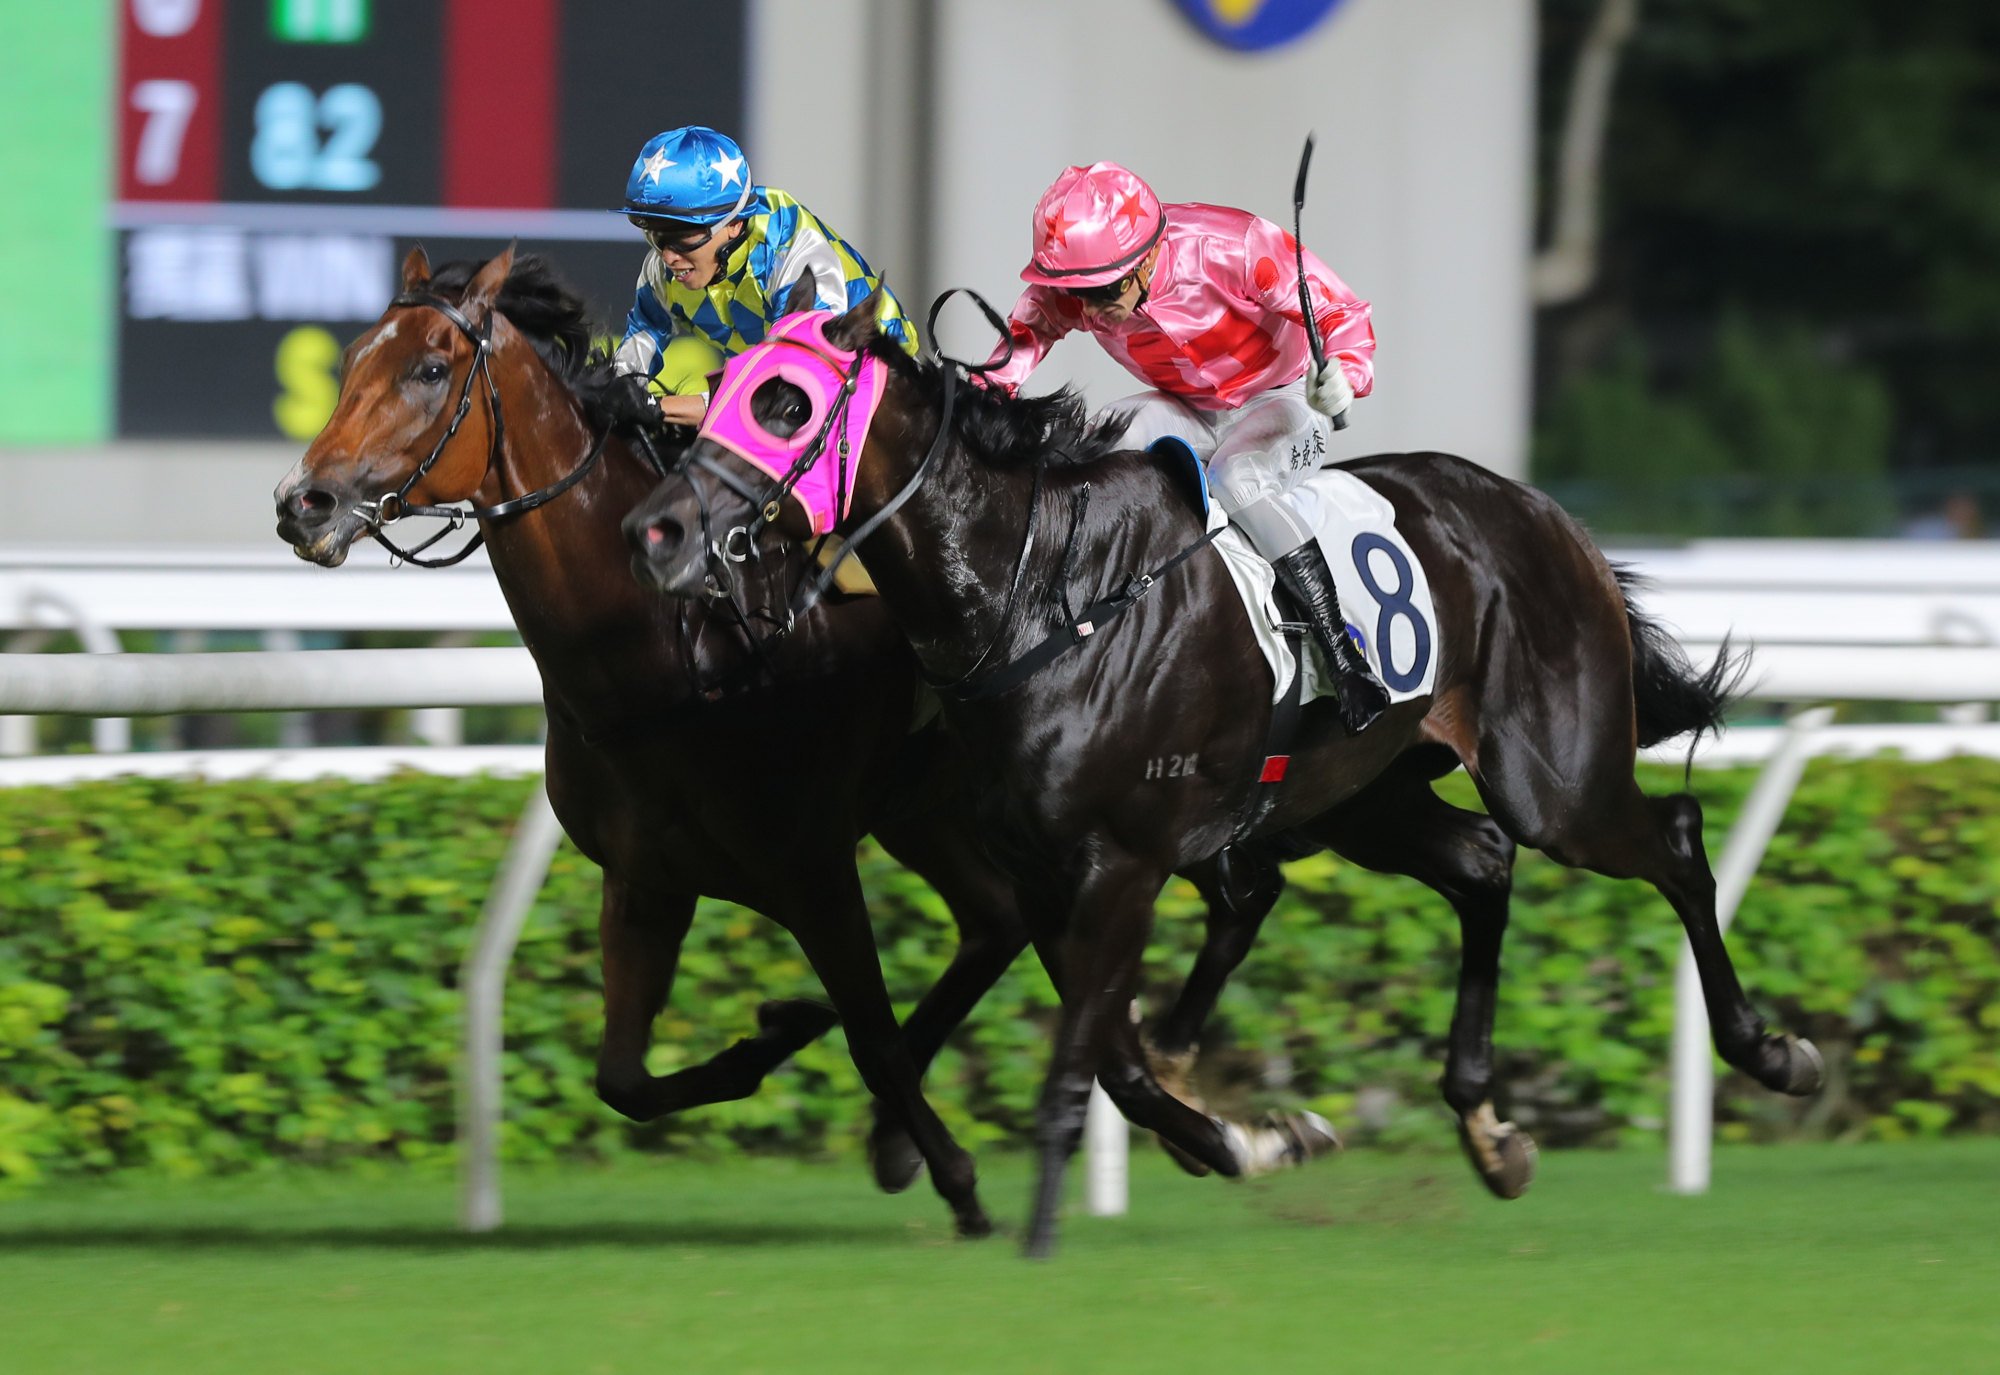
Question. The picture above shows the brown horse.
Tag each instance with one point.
(1548, 682)
(680, 759)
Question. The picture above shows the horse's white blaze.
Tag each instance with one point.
(382, 337)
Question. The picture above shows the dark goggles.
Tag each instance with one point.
(674, 240)
(1105, 294)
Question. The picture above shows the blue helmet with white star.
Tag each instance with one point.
(692, 174)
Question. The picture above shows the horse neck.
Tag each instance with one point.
(945, 561)
(562, 566)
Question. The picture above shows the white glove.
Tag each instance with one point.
(1327, 388)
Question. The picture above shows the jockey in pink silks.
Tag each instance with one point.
(1201, 302)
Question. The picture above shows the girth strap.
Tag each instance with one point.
(1278, 739)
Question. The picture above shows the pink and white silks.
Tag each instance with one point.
(796, 351)
(1222, 342)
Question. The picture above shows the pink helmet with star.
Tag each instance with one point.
(1093, 226)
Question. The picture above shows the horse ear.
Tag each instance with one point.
(416, 269)
(485, 286)
(804, 295)
(853, 330)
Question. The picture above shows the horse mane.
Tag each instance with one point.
(1009, 431)
(555, 320)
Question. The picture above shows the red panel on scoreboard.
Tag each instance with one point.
(500, 103)
(169, 98)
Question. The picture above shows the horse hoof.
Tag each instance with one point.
(893, 1159)
(1280, 1141)
(1312, 1136)
(1181, 1158)
(1502, 1154)
(1787, 1064)
(1805, 1068)
(795, 1020)
(974, 1225)
(1513, 1155)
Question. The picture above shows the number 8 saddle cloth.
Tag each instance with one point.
(1383, 589)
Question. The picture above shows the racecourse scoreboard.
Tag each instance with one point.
(277, 158)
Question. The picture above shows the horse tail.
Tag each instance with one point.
(1670, 695)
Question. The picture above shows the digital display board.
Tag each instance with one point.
(277, 158)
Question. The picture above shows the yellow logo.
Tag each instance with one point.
(1236, 13)
(305, 362)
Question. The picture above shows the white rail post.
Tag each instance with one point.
(108, 734)
(1691, 1113)
(441, 725)
(1108, 1143)
(484, 980)
(294, 727)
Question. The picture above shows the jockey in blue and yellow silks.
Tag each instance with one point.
(727, 254)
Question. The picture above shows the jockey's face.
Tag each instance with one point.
(693, 254)
(1114, 302)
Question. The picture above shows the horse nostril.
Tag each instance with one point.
(651, 536)
(310, 505)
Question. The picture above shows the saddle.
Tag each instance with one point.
(1383, 587)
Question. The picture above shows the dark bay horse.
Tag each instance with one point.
(1549, 681)
(758, 797)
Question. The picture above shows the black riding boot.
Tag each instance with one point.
(1304, 575)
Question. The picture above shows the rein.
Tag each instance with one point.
(770, 499)
(1077, 626)
(968, 686)
(394, 506)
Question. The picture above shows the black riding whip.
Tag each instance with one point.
(1305, 293)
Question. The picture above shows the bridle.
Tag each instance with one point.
(391, 507)
(979, 681)
(740, 543)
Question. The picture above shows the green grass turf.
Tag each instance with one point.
(1807, 1258)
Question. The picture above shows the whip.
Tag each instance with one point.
(1305, 293)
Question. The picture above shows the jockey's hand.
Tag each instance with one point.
(684, 410)
(1327, 389)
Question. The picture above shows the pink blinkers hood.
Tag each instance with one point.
(796, 350)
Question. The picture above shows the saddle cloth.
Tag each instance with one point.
(1383, 590)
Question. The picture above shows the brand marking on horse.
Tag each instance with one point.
(1170, 766)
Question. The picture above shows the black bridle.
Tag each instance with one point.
(394, 506)
(1077, 625)
(739, 544)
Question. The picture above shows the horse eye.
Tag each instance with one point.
(433, 372)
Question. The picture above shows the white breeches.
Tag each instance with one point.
(1256, 454)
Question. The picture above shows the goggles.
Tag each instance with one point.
(1106, 293)
(675, 241)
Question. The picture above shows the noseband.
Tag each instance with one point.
(394, 506)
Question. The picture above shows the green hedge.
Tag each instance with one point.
(201, 977)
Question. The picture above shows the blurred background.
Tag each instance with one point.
(1702, 268)
(1723, 276)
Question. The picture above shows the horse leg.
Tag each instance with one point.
(1611, 827)
(1240, 891)
(991, 934)
(1097, 972)
(1782, 1062)
(1399, 826)
(828, 917)
(640, 934)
